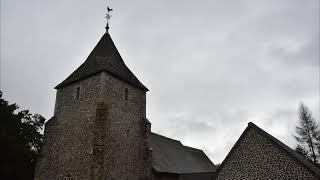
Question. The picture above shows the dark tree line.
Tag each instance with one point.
(20, 141)
(308, 135)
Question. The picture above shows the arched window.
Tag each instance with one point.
(68, 176)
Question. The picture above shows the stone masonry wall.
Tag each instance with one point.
(256, 157)
(68, 138)
(100, 135)
(48, 152)
(126, 149)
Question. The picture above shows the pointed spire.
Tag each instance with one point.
(104, 57)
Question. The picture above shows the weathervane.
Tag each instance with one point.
(108, 17)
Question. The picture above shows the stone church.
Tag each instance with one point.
(99, 131)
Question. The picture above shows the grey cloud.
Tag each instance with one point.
(211, 66)
(297, 53)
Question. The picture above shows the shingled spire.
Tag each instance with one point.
(104, 57)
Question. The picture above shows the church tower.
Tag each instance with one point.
(99, 129)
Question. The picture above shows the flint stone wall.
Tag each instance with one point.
(256, 157)
(99, 135)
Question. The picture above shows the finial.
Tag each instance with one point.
(108, 17)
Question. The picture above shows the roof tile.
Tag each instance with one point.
(104, 57)
(171, 156)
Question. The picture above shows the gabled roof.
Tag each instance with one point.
(104, 57)
(278, 143)
(171, 156)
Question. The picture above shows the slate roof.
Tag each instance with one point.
(281, 145)
(171, 156)
(104, 57)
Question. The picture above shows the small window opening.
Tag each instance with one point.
(128, 131)
(126, 94)
(77, 92)
(68, 176)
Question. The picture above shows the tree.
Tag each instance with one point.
(20, 140)
(308, 133)
(301, 150)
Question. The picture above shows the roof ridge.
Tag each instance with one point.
(165, 137)
(193, 148)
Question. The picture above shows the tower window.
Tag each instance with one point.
(126, 94)
(128, 132)
(77, 93)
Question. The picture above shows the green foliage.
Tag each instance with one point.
(308, 135)
(20, 140)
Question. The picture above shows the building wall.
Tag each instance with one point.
(69, 135)
(191, 176)
(256, 157)
(197, 176)
(126, 147)
(100, 135)
(166, 176)
(47, 159)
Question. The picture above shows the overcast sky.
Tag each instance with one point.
(211, 66)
